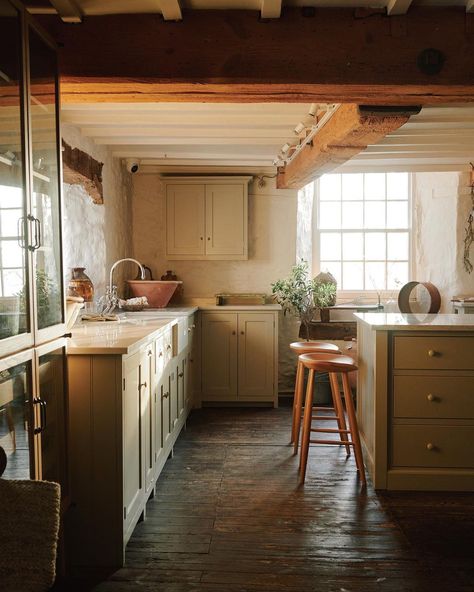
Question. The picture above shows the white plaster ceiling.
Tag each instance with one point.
(167, 135)
(73, 10)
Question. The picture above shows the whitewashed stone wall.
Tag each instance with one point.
(441, 206)
(94, 236)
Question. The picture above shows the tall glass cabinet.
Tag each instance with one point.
(33, 401)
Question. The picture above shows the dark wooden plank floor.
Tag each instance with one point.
(229, 516)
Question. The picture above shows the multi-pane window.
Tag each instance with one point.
(363, 225)
(11, 257)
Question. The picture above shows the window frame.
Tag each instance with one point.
(369, 294)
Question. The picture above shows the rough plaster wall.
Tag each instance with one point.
(272, 250)
(94, 236)
(304, 228)
(441, 205)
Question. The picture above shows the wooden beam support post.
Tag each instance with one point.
(271, 9)
(395, 7)
(349, 131)
(171, 10)
(81, 169)
(67, 10)
(219, 55)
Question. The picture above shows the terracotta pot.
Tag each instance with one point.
(80, 285)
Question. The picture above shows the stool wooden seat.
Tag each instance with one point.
(333, 364)
(305, 347)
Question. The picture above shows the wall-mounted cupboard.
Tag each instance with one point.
(207, 217)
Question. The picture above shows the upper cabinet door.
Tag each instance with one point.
(15, 330)
(45, 183)
(226, 220)
(185, 219)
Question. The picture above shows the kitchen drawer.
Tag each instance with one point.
(433, 353)
(433, 446)
(435, 397)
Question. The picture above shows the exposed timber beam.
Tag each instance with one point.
(349, 131)
(271, 9)
(395, 7)
(171, 10)
(470, 6)
(67, 10)
(210, 57)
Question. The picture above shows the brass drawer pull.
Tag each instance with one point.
(165, 395)
(430, 446)
(430, 398)
(432, 353)
(142, 384)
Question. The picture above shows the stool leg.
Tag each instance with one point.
(308, 411)
(339, 408)
(298, 408)
(297, 400)
(353, 426)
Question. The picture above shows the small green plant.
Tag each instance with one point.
(48, 300)
(302, 296)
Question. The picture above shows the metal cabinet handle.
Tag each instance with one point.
(160, 354)
(168, 346)
(165, 395)
(150, 353)
(208, 238)
(242, 333)
(180, 374)
(201, 238)
(432, 353)
(430, 397)
(43, 417)
(430, 446)
(142, 384)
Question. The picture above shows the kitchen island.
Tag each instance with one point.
(415, 400)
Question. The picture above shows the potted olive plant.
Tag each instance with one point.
(302, 296)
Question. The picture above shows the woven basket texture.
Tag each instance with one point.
(29, 519)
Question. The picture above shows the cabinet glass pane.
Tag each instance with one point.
(15, 420)
(13, 274)
(53, 435)
(45, 182)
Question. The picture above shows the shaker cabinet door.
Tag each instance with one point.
(226, 220)
(256, 358)
(219, 356)
(185, 219)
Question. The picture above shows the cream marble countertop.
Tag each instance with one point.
(417, 322)
(241, 307)
(115, 337)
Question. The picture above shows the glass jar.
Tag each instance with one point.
(80, 284)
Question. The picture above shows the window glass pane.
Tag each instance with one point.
(334, 269)
(397, 275)
(353, 276)
(330, 246)
(10, 220)
(397, 185)
(353, 215)
(13, 282)
(375, 276)
(353, 246)
(330, 187)
(374, 214)
(12, 256)
(329, 215)
(397, 246)
(352, 187)
(375, 246)
(11, 197)
(374, 186)
(397, 214)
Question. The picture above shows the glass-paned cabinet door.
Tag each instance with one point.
(14, 318)
(46, 209)
(51, 399)
(16, 415)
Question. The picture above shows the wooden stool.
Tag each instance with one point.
(332, 364)
(305, 347)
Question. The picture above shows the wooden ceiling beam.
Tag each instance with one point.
(470, 6)
(67, 10)
(218, 56)
(396, 7)
(271, 9)
(349, 131)
(171, 10)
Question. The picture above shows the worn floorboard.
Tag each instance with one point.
(229, 517)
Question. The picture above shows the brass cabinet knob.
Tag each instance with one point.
(180, 374)
(201, 238)
(165, 395)
(142, 384)
(208, 238)
(430, 397)
(168, 346)
(189, 329)
(432, 353)
(150, 353)
(233, 332)
(242, 333)
(160, 354)
(430, 446)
